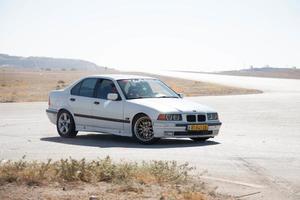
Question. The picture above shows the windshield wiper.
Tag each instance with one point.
(141, 97)
(145, 97)
(167, 97)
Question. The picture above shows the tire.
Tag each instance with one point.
(142, 130)
(65, 124)
(200, 139)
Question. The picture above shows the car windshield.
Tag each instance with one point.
(145, 88)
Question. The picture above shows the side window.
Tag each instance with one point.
(76, 88)
(87, 87)
(104, 87)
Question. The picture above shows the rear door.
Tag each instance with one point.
(81, 99)
(108, 114)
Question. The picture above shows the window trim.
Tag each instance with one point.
(98, 84)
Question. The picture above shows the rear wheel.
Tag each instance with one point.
(143, 130)
(200, 139)
(65, 124)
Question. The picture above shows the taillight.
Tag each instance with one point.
(49, 101)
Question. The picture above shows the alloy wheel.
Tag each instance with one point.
(64, 123)
(143, 129)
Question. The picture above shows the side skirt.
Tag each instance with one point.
(101, 130)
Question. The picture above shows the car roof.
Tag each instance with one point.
(119, 76)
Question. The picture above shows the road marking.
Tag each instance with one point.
(233, 182)
(247, 195)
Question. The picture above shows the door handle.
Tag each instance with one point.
(96, 102)
(72, 99)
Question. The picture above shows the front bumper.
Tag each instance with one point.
(179, 130)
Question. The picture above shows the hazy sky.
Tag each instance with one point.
(135, 34)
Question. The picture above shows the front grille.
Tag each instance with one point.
(191, 118)
(192, 133)
(201, 118)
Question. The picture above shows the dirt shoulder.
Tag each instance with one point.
(28, 85)
(286, 73)
(103, 190)
(192, 88)
(267, 72)
(101, 179)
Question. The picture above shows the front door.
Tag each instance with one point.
(108, 114)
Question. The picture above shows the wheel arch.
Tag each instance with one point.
(135, 117)
(65, 109)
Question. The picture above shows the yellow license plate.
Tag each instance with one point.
(197, 127)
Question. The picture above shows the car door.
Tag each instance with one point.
(108, 113)
(81, 99)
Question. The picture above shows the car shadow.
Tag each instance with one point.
(107, 141)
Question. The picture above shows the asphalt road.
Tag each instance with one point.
(257, 150)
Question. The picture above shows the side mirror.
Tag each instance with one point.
(112, 96)
(181, 95)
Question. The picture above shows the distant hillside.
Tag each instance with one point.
(271, 72)
(46, 63)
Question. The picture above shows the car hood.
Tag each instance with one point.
(169, 105)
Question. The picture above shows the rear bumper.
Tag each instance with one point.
(52, 115)
(166, 129)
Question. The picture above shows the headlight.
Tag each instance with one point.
(170, 117)
(212, 116)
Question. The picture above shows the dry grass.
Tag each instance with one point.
(26, 85)
(68, 170)
(79, 179)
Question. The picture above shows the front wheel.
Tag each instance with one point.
(143, 130)
(200, 139)
(65, 124)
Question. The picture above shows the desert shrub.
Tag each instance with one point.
(61, 82)
(68, 170)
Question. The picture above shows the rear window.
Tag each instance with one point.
(75, 90)
(87, 87)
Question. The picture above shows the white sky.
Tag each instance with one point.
(164, 34)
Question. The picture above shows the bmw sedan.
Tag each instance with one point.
(141, 107)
